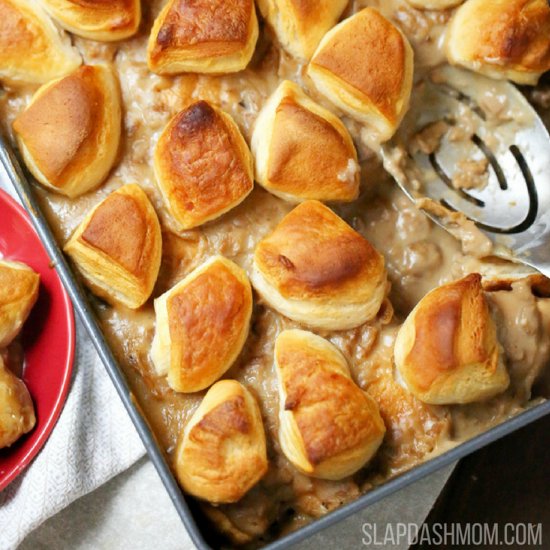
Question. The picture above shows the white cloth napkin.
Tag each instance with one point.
(94, 440)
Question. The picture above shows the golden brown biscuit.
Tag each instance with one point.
(506, 39)
(203, 36)
(222, 453)
(19, 286)
(434, 4)
(32, 50)
(203, 166)
(16, 408)
(202, 325)
(300, 24)
(447, 349)
(70, 132)
(302, 151)
(118, 247)
(364, 66)
(104, 20)
(328, 427)
(315, 269)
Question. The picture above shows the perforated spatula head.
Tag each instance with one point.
(475, 146)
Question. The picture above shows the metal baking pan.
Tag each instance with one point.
(186, 507)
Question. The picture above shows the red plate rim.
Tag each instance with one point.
(17, 457)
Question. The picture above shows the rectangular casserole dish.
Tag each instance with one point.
(186, 508)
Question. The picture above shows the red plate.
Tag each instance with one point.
(48, 338)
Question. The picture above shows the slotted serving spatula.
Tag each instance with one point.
(487, 123)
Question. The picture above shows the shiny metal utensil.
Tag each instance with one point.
(460, 122)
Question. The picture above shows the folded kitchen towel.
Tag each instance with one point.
(94, 440)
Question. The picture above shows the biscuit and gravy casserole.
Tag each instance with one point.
(295, 330)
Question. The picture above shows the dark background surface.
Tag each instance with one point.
(506, 482)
